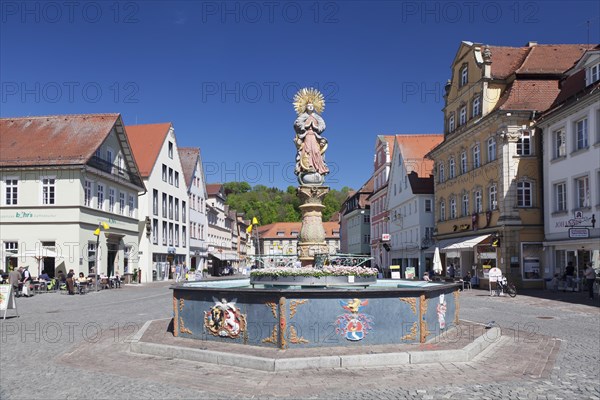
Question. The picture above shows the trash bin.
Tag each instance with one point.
(127, 278)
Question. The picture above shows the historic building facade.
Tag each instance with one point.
(191, 162)
(488, 187)
(279, 241)
(355, 221)
(571, 132)
(62, 176)
(410, 203)
(384, 146)
(164, 212)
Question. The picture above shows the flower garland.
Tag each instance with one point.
(314, 272)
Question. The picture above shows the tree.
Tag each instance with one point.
(274, 205)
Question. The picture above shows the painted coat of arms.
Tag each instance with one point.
(356, 325)
(224, 319)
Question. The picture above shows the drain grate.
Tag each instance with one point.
(545, 317)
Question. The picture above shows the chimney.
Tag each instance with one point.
(531, 44)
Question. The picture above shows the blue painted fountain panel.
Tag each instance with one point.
(296, 318)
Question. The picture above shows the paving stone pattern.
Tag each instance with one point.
(76, 347)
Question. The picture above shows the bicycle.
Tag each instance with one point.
(505, 287)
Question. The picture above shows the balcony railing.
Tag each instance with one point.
(110, 168)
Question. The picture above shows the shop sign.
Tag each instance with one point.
(487, 255)
(579, 233)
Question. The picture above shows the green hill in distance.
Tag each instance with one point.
(270, 205)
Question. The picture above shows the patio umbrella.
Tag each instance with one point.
(437, 261)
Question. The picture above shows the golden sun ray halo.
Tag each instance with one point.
(309, 95)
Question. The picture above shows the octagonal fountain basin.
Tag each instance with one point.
(386, 312)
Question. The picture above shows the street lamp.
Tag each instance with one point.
(101, 225)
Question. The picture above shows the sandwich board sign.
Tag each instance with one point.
(7, 300)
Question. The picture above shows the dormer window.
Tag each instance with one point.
(464, 76)
(594, 74)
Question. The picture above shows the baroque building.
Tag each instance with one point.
(488, 186)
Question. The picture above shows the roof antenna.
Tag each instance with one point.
(588, 33)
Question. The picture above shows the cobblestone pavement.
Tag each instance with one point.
(76, 347)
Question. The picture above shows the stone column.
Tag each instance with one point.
(311, 240)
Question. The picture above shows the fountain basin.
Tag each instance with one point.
(387, 312)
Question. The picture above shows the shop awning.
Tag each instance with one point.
(462, 243)
(224, 256)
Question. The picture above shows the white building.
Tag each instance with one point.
(571, 133)
(163, 213)
(279, 241)
(62, 176)
(355, 221)
(410, 203)
(220, 225)
(193, 172)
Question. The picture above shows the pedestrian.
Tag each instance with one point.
(569, 274)
(177, 272)
(26, 281)
(590, 277)
(14, 277)
(71, 282)
(451, 271)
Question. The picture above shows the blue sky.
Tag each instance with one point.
(224, 73)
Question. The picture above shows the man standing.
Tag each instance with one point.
(569, 274)
(590, 277)
(14, 277)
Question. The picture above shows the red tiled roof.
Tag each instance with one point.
(505, 60)
(414, 147)
(368, 186)
(213, 189)
(53, 139)
(551, 58)
(270, 231)
(531, 95)
(189, 157)
(146, 141)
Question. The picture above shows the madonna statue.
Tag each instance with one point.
(310, 144)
